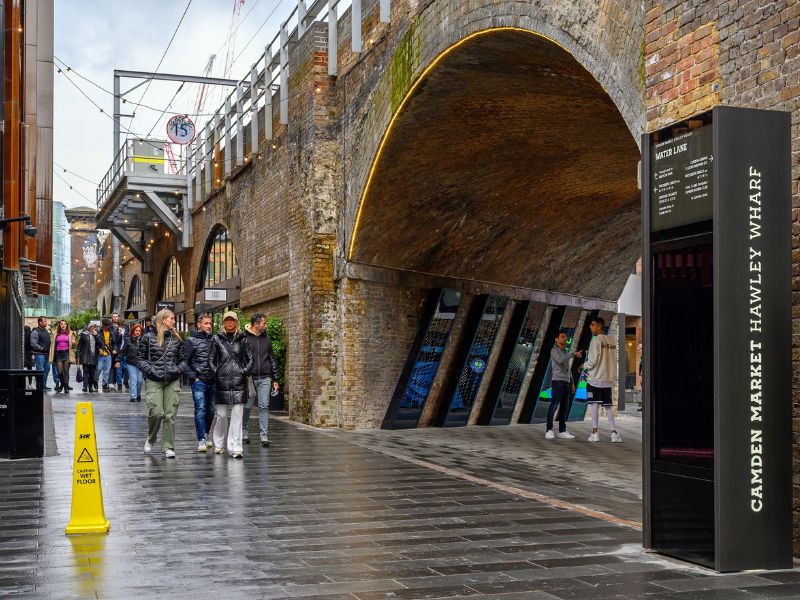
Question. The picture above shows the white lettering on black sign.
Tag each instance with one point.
(756, 373)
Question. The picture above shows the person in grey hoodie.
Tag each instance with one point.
(601, 366)
(561, 378)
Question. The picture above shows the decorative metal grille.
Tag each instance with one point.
(518, 365)
(428, 358)
(472, 373)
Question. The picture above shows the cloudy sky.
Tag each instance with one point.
(94, 38)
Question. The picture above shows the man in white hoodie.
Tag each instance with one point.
(601, 366)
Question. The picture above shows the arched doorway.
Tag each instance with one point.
(136, 302)
(507, 162)
(219, 282)
(171, 293)
(508, 172)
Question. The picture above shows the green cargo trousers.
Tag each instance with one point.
(162, 405)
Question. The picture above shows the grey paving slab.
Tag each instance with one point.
(340, 516)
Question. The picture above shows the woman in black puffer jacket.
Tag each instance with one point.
(161, 363)
(233, 360)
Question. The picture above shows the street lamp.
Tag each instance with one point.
(29, 230)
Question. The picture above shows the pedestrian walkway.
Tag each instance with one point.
(340, 515)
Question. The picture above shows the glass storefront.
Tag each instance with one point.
(426, 364)
(474, 368)
(518, 365)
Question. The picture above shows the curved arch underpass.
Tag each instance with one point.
(507, 163)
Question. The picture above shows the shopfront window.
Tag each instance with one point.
(220, 260)
(135, 295)
(172, 282)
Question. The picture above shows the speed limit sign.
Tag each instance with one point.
(180, 129)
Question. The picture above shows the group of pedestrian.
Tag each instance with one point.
(229, 372)
(49, 349)
(102, 354)
(600, 367)
(220, 368)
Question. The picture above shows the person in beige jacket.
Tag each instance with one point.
(601, 366)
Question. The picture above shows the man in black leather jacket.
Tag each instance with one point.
(197, 351)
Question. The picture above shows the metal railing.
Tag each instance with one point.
(219, 146)
(149, 154)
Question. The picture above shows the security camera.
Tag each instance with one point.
(30, 230)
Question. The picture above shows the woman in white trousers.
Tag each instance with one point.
(233, 360)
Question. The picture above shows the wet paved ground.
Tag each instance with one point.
(342, 515)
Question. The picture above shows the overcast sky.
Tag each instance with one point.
(94, 38)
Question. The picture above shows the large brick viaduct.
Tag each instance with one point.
(487, 146)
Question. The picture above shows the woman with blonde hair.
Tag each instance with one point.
(62, 354)
(161, 362)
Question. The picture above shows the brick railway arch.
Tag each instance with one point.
(511, 159)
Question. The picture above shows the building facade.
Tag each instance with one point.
(426, 210)
(59, 301)
(27, 158)
(83, 256)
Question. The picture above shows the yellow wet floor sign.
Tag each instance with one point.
(88, 515)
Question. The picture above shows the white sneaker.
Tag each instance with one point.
(566, 435)
(201, 447)
(209, 443)
(237, 454)
(549, 435)
(169, 453)
(615, 438)
(148, 447)
(595, 437)
(218, 450)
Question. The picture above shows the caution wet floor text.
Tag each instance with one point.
(88, 515)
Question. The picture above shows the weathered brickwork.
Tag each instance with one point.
(758, 44)
(290, 209)
(381, 321)
(682, 68)
(82, 237)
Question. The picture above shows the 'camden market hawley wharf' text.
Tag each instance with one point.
(755, 271)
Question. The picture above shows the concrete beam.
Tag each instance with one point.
(404, 278)
(163, 212)
(125, 237)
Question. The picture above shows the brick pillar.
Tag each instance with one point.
(378, 323)
(312, 158)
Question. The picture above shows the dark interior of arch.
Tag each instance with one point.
(509, 164)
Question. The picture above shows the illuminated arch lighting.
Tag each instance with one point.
(410, 93)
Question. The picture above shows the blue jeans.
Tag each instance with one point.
(263, 387)
(42, 363)
(135, 379)
(122, 372)
(103, 370)
(203, 394)
(559, 397)
(54, 369)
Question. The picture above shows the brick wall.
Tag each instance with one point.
(378, 324)
(749, 56)
(290, 207)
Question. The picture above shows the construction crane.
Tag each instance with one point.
(202, 92)
(234, 26)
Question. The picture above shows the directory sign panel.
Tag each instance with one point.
(681, 175)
